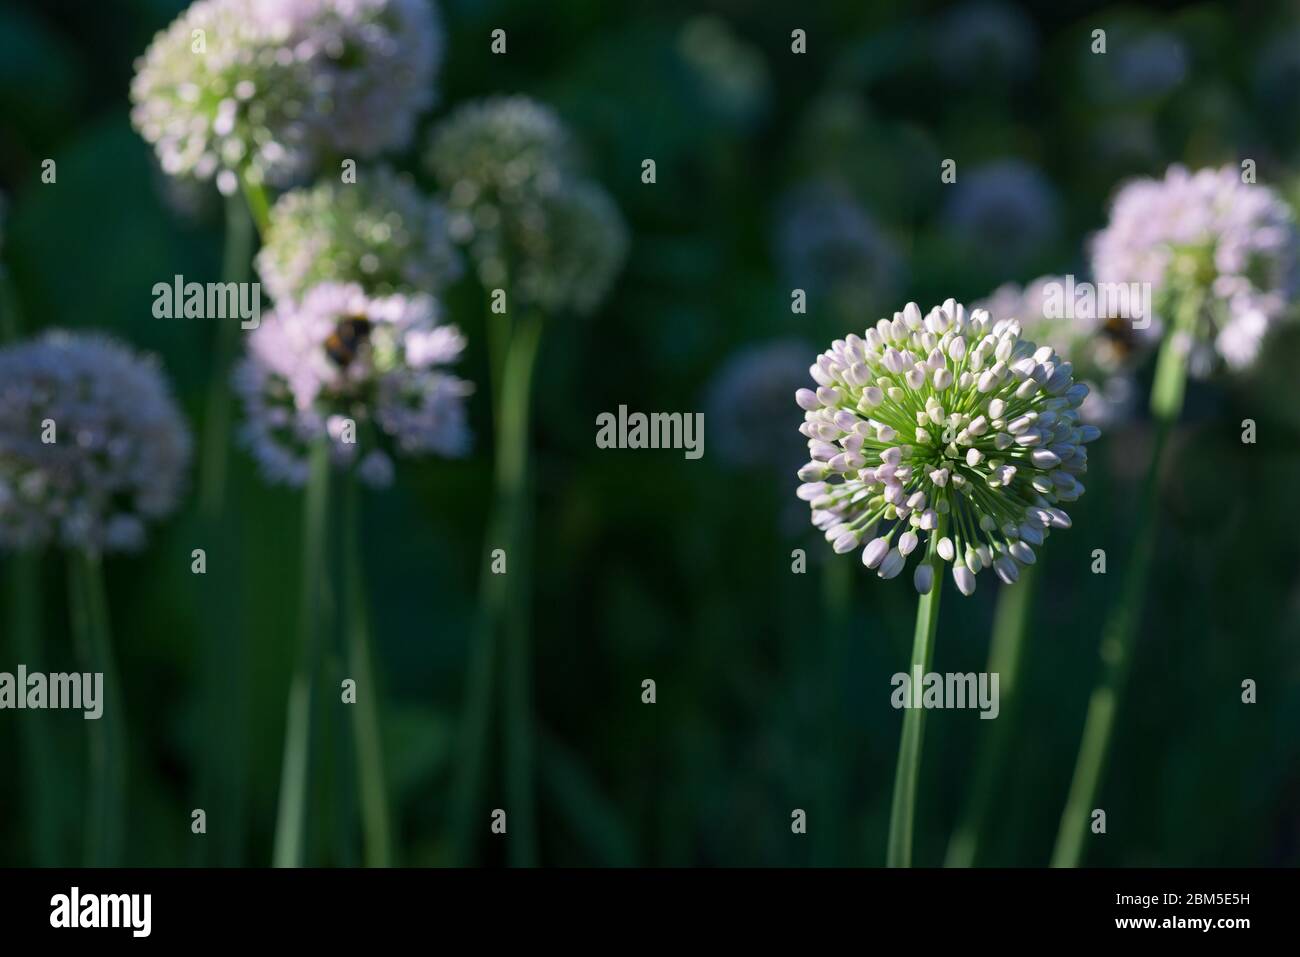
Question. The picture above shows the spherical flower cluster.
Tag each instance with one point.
(566, 249)
(92, 445)
(517, 202)
(263, 87)
(367, 374)
(829, 246)
(380, 232)
(1205, 232)
(1104, 350)
(948, 429)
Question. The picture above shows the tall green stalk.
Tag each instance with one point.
(24, 574)
(107, 804)
(291, 816)
(1120, 630)
(509, 600)
(222, 775)
(902, 814)
(476, 713)
(371, 783)
(1006, 654)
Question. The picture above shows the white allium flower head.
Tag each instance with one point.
(277, 83)
(380, 232)
(121, 449)
(507, 169)
(1234, 242)
(945, 434)
(1104, 350)
(339, 354)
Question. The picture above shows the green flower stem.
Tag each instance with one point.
(902, 814)
(1167, 392)
(259, 207)
(10, 318)
(508, 596)
(1006, 654)
(42, 792)
(371, 783)
(222, 773)
(291, 817)
(104, 828)
(476, 717)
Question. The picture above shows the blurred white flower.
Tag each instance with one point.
(1104, 350)
(120, 452)
(368, 372)
(379, 232)
(528, 219)
(264, 88)
(1233, 242)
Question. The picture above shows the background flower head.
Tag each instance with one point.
(506, 166)
(827, 244)
(120, 452)
(948, 428)
(264, 87)
(380, 232)
(1104, 350)
(1005, 210)
(1208, 231)
(367, 374)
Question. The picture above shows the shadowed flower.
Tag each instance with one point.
(948, 428)
(828, 245)
(566, 249)
(1103, 350)
(92, 445)
(506, 168)
(985, 39)
(1004, 211)
(748, 404)
(1232, 242)
(368, 372)
(264, 87)
(380, 232)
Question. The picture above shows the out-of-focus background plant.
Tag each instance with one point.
(774, 171)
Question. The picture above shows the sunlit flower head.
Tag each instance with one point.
(380, 232)
(946, 432)
(267, 87)
(368, 374)
(92, 446)
(1232, 244)
(1104, 350)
